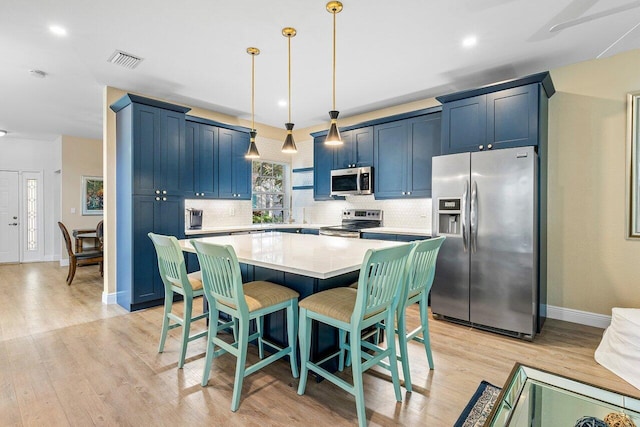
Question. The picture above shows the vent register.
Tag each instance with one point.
(124, 59)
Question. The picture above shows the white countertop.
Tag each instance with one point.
(250, 227)
(321, 257)
(260, 227)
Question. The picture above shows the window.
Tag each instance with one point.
(32, 214)
(633, 166)
(270, 200)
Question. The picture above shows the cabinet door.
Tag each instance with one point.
(234, 170)
(206, 161)
(323, 156)
(147, 285)
(241, 167)
(363, 146)
(390, 159)
(188, 170)
(146, 149)
(424, 143)
(173, 151)
(464, 125)
(512, 117)
(344, 153)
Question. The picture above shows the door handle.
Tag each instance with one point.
(14, 223)
(463, 210)
(474, 217)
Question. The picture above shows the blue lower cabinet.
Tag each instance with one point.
(393, 237)
(138, 280)
(314, 231)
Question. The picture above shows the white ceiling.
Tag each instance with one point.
(194, 53)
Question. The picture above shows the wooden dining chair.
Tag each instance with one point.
(351, 311)
(174, 276)
(79, 259)
(226, 293)
(100, 235)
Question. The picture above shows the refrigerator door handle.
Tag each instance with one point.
(463, 220)
(474, 217)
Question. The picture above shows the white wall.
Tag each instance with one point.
(34, 155)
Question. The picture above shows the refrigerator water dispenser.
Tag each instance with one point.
(449, 216)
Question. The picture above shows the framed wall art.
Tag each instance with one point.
(92, 195)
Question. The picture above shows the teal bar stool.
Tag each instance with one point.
(226, 293)
(380, 286)
(420, 271)
(176, 281)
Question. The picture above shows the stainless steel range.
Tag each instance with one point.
(354, 220)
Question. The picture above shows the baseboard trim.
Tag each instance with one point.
(109, 298)
(578, 316)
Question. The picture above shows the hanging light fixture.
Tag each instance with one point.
(289, 145)
(333, 137)
(253, 153)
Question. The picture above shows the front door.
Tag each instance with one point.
(9, 213)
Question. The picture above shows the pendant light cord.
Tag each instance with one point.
(334, 60)
(253, 74)
(289, 76)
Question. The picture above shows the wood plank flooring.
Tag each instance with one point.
(67, 359)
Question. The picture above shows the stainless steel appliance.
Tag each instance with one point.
(354, 220)
(487, 273)
(195, 219)
(351, 181)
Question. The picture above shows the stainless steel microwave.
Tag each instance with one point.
(352, 181)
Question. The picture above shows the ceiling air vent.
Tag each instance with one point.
(124, 59)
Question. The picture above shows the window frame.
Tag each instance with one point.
(633, 166)
(286, 193)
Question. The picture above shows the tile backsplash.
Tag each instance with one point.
(220, 213)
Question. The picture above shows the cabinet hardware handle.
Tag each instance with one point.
(481, 147)
(489, 146)
(157, 191)
(164, 199)
(408, 192)
(164, 191)
(158, 199)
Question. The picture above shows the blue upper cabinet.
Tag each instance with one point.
(234, 170)
(357, 148)
(390, 156)
(503, 115)
(202, 141)
(402, 156)
(323, 161)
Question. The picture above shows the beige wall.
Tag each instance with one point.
(80, 157)
(591, 266)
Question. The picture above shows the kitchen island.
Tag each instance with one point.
(302, 262)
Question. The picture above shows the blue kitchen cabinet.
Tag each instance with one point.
(234, 170)
(151, 156)
(504, 115)
(202, 141)
(159, 150)
(402, 156)
(356, 149)
(392, 237)
(323, 161)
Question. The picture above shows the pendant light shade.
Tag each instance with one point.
(252, 152)
(333, 137)
(289, 145)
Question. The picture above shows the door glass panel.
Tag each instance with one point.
(32, 214)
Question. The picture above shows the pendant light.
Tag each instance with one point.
(253, 153)
(333, 137)
(289, 146)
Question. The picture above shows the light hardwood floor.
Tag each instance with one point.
(66, 359)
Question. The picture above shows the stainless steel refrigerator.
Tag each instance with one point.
(487, 273)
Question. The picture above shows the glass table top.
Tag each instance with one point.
(533, 397)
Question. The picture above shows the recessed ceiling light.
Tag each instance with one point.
(470, 41)
(58, 30)
(282, 103)
(3, 132)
